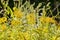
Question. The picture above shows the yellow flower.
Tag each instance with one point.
(51, 20)
(3, 19)
(42, 19)
(31, 18)
(18, 13)
(47, 20)
(45, 29)
(3, 26)
(15, 22)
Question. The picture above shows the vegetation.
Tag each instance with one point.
(24, 22)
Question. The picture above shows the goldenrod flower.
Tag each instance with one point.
(51, 20)
(3, 26)
(42, 19)
(15, 22)
(18, 13)
(31, 18)
(3, 19)
(45, 29)
(47, 20)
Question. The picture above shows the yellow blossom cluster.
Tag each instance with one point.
(31, 18)
(15, 22)
(3, 27)
(24, 23)
(47, 20)
(3, 19)
(45, 29)
(17, 13)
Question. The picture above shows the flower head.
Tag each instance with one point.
(31, 18)
(47, 20)
(3, 26)
(3, 19)
(15, 22)
(18, 13)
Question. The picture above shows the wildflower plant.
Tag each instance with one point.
(25, 23)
